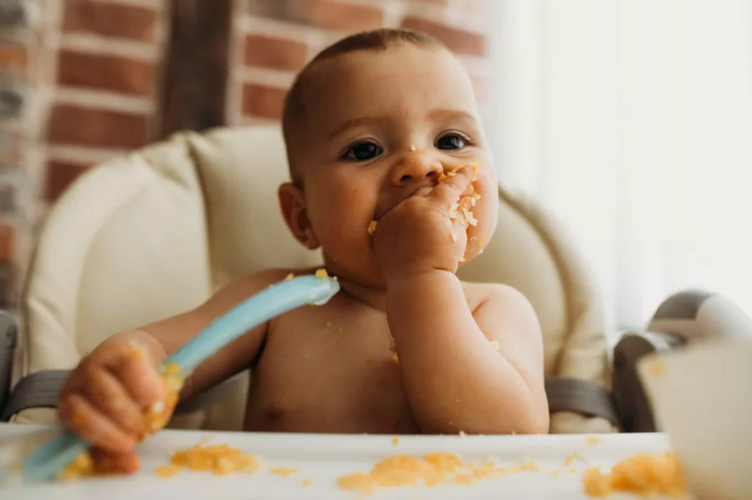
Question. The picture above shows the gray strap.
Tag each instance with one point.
(8, 336)
(569, 394)
(38, 390)
(42, 390)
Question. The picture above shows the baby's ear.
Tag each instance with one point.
(294, 210)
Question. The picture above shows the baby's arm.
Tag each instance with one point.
(105, 396)
(454, 377)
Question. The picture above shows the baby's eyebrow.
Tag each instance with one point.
(452, 114)
(348, 124)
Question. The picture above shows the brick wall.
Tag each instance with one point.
(273, 39)
(104, 87)
(82, 81)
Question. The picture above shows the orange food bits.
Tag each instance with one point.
(284, 472)
(321, 273)
(372, 227)
(219, 459)
(593, 440)
(167, 471)
(433, 469)
(642, 474)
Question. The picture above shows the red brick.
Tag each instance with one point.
(275, 53)
(458, 40)
(10, 147)
(7, 243)
(115, 20)
(331, 14)
(262, 101)
(13, 57)
(60, 175)
(93, 127)
(105, 72)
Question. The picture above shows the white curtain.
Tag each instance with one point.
(632, 122)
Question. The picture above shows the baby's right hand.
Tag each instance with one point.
(105, 397)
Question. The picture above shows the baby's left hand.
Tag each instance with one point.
(418, 236)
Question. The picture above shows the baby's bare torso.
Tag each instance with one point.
(329, 369)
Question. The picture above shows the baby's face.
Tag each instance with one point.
(382, 127)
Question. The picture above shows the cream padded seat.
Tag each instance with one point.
(156, 232)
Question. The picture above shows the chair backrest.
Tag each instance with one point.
(154, 233)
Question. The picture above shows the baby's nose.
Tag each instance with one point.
(415, 166)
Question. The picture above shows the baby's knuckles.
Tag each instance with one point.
(415, 237)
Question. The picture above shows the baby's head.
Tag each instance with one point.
(370, 121)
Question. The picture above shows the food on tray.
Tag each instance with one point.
(284, 472)
(643, 474)
(433, 469)
(593, 440)
(81, 466)
(220, 459)
(321, 273)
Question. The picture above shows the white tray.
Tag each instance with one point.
(324, 458)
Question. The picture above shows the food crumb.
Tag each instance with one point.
(289, 277)
(372, 227)
(656, 368)
(284, 472)
(529, 465)
(643, 474)
(306, 482)
(395, 440)
(570, 458)
(395, 359)
(593, 440)
(167, 471)
(321, 273)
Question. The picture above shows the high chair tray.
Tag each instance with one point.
(321, 459)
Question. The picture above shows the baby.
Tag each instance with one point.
(382, 132)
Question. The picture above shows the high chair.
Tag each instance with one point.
(156, 232)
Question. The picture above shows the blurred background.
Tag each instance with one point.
(630, 120)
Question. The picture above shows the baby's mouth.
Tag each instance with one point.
(384, 206)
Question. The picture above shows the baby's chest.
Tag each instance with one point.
(323, 375)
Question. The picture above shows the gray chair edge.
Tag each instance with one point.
(630, 399)
(42, 390)
(8, 340)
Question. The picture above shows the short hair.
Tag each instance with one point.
(375, 40)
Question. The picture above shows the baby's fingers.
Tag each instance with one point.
(449, 190)
(93, 426)
(111, 398)
(108, 463)
(136, 372)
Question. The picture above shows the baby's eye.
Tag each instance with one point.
(363, 151)
(452, 141)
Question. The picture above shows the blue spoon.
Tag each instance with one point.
(47, 461)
